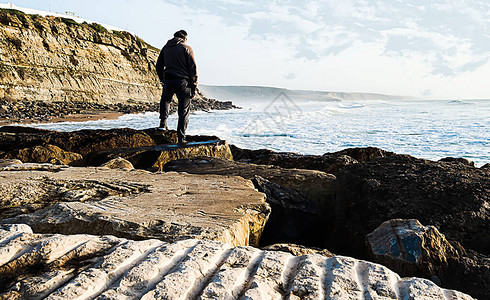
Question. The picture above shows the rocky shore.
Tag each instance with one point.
(115, 202)
(27, 111)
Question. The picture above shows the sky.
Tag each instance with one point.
(433, 49)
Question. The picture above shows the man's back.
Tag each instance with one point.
(176, 60)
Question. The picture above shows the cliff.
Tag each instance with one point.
(53, 59)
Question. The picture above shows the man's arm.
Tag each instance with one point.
(160, 66)
(192, 67)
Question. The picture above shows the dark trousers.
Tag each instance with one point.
(179, 87)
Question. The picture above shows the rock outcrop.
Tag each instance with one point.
(72, 266)
(134, 204)
(301, 200)
(453, 197)
(145, 149)
(329, 162)
(45, 154)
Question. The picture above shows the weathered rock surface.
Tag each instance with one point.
(154, 158)
(410, 248)
(68, 267)
(134, 204)
(453, 197)
(317, 186)
(100, 146)
(82, 141)
(46, 154)
(301, 200)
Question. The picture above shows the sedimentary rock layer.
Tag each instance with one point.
(45, 58)
(88, 267)
(133, 204)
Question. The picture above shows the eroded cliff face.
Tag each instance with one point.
(54, 59)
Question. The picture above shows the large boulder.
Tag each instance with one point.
(134, 204)
(453, 197)
(46, 154)
(75, 266)
(154, 158)
(410, 249)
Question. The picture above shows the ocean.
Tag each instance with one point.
(430, 129)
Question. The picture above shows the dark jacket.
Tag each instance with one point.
(176, 60)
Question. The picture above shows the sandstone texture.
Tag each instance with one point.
(134, 204)
(92, 267)
(46, 154)
(317, 186)
(118, 163)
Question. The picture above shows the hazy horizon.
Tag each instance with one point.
(437, 50)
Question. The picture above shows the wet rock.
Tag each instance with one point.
(362, 154)
(134, 204)
(67, 267)
(118, 163)
(459, 160)
(155, 157)
(46, 154)
(326, 163)
(410, 249)
(453, 197)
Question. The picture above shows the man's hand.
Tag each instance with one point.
(193, 87)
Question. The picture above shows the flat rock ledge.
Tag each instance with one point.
(105, 267)
(133, 204)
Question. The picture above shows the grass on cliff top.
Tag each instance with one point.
(12, 11)
(99, 28)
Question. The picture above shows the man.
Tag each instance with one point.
(177, 71)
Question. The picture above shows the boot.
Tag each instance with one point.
(163, 125)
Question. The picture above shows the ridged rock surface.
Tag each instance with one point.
(92, 267)
(132, 204)
(53, 59)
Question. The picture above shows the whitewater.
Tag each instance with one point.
(430, 129)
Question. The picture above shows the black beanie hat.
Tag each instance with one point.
(181, 34)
